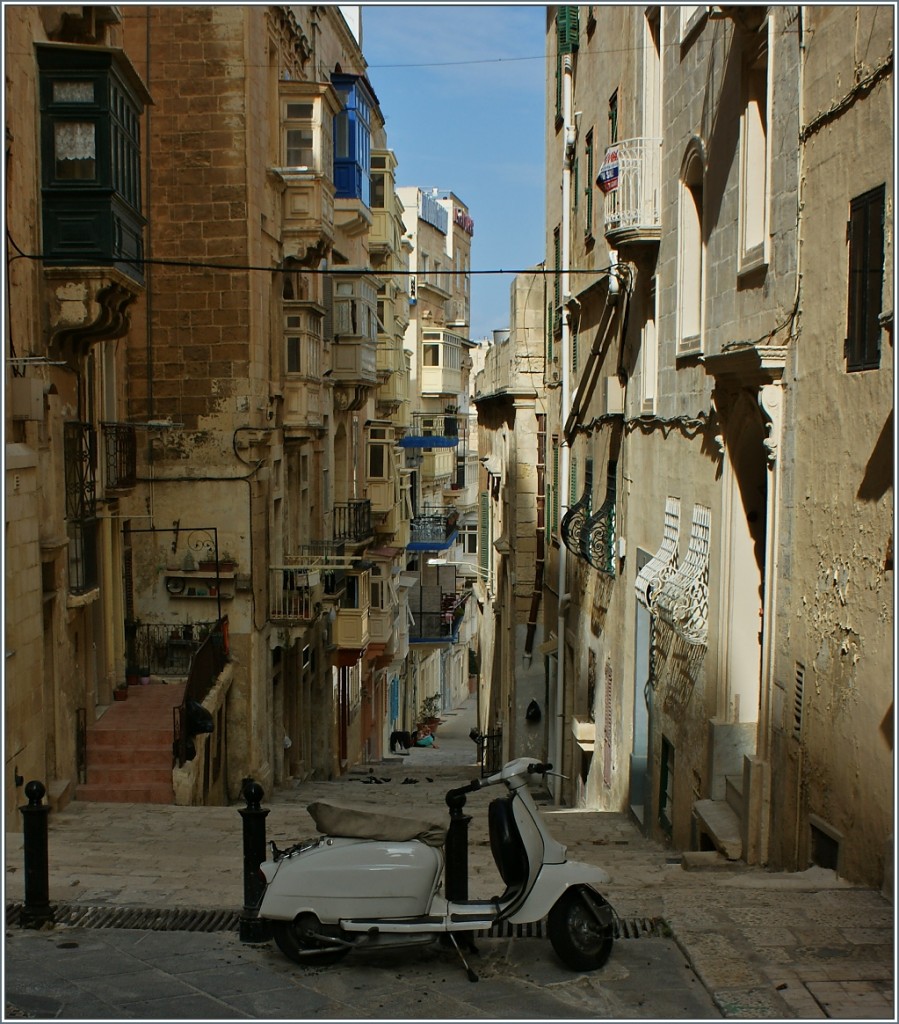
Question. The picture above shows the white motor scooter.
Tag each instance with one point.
(373, 881)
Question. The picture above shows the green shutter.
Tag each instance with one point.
(484, 531)
(549, 335)
(567, 29)
(575, 189)
(574, 350)
(559, 86)
(555, 504)
(572, 483)
(588, 187)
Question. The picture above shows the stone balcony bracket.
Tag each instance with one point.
(86, 305)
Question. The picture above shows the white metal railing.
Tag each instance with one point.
(683, 601)
(663, 564)
(635, 205)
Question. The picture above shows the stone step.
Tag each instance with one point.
(129, 748)
(733, 793)
(121, 794)
(722, 826)
(146, 736)
(116, 756)
(129, 776)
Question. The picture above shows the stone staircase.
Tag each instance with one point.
(129, 748)
(721, 819)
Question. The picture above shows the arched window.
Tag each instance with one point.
(691, 253)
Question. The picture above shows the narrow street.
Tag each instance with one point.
(693, 944)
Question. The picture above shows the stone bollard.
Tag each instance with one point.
(37, 910)
(252, 927)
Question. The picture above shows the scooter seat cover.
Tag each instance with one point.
(370, 823)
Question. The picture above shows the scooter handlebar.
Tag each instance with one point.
(472, 786)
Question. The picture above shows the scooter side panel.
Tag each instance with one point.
(355, 878)
(552, 881)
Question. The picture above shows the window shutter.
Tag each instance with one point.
(484, 532)
(549, 333)
(567, 29)
(555, 503)
(865, 236)
(327, 302)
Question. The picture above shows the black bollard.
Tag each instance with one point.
(456, 848)
(37, 910)
(252, 927)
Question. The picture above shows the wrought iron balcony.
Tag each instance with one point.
(434, 529)
(592, 536)
(295, 595)
(633, 211)
(164, 648)
(120, 455)
(575, 519)
(352, 521)
(437, 614)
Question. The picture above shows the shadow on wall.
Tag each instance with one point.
(878, 478)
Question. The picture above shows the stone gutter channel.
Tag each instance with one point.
(185, 919)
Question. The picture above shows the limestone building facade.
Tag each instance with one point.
(208, 390)
(711, 320)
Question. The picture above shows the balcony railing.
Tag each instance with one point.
(434, 430)
(120, 451)
(206, 665)
(164, 648)
(437, 615)
(80, 445)
(295, 595)
(633, 209)
(433, 529)
(328, 559)
(352, 520)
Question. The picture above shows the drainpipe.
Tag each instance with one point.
(568, 145)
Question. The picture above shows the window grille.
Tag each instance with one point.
(663, 563)
(598, 538)
(683, 601)
(575, 519)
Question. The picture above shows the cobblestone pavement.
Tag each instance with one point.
(763, 945)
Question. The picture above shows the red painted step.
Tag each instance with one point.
(129, 749)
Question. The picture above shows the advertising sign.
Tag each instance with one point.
(607, 179)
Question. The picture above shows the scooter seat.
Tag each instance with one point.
(507, 846)
(368, 823)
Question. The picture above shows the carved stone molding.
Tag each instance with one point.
(86, 305)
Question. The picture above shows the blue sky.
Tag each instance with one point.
(466, 113)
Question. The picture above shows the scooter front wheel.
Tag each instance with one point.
(304, 941)
(580, 941)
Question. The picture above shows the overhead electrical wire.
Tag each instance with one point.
(294, 269)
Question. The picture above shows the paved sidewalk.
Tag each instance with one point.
(764, 945)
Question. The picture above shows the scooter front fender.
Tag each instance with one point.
(552, 881)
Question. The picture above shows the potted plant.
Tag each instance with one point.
(429, 712)
(120, 692)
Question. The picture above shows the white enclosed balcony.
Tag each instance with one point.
(441, 363)
(631, 171)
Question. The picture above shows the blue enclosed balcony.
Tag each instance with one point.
(433, 430)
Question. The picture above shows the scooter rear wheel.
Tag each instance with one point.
(298, 941)
(580, 941)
